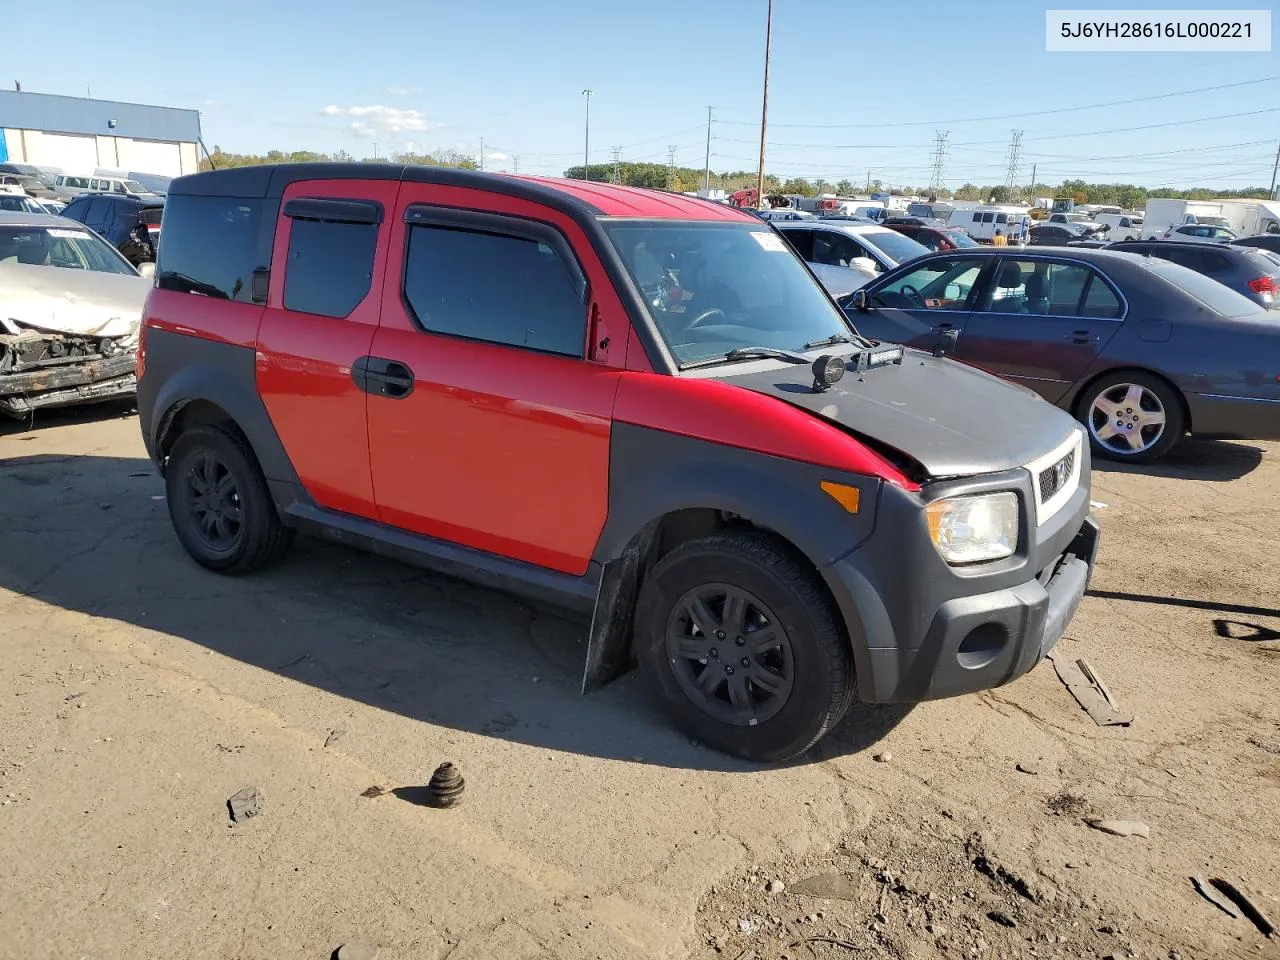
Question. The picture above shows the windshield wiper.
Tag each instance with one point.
(749, 353)
(831, 341)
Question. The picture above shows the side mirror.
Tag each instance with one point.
(859, 301)
(147, 269)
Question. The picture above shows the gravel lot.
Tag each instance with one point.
(141, 692)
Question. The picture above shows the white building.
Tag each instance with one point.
(82, 136)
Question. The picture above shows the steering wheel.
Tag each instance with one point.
(911, 293)
(705, 315)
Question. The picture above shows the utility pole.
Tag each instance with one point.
(706, 170)
(868, 190)
(1015, 158)
(375, 149)
(482, 154)
(671, 165)
(617, 155)
(1274, 169)
(937, 182)
(586, 138)
(1032, 191)
(764, 102)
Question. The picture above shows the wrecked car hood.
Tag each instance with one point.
(82, 303)
(952, 419)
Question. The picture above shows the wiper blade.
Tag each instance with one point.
(749, 353)
(830, 341)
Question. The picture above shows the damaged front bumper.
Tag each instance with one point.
(85, 381)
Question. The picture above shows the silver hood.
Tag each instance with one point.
(82, 303)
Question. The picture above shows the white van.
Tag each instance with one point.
(981, 223)
(68, 187)
(1124, 226)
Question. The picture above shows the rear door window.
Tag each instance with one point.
(1100, 300)
(330, 266)
(1038, 287)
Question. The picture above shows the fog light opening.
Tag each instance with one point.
(982, 646)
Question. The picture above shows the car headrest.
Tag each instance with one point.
(1010, 276)
(1037, 287)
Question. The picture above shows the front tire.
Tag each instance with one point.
(220, 505)
(1131, 416)
(740, 642)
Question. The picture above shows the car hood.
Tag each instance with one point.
(953, 419)
(75, 302)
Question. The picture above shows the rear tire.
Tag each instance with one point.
(767, 693)
(1131, 416)
(220, 505)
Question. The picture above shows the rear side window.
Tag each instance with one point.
(209, 246)
(151, 215)
(330, 266)
(493, 287)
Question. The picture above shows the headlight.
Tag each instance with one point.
(972, 529)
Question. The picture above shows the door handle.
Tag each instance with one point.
(1079, 336)
(943, 327)
(382, 377)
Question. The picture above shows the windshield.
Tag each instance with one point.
(959, 238)
(1218, 297)
(133, 186)
(58, 247)
(894, 245)
(715, 287)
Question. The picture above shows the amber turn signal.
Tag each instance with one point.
(844, 495)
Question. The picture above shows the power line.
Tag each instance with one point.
(1015, 116)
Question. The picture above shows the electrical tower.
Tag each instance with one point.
(515, 163)
(1015, 160)
(937, 181)
(617, 156)
(671, 165)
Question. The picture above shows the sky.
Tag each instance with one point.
(854, 86)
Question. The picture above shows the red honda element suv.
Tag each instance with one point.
(634, 403)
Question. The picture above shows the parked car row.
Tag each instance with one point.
(1138, 348)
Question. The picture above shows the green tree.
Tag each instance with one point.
(1001, 194)
(844, 187)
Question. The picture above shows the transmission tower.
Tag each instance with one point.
(617, 155)
(671, 165)
(937, 181)
(1015, 159)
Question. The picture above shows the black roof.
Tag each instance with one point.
(1178, 244)
(269, 181)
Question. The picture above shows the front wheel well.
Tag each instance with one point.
(1083, 392)
(610, 651)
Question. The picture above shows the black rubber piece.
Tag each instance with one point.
(263, 539)
(1174, 423)
(766, 566)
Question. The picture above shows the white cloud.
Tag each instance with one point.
(496, 155)
(369, 121)
(403, 91)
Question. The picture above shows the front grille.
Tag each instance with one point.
(1054, 478)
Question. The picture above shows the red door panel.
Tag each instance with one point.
(304, 366)
(498, 448)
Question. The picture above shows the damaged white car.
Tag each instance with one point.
(70, 308)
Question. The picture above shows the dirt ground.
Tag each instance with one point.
(140, 693)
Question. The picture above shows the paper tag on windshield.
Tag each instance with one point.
(770, 241)
(59, 234)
